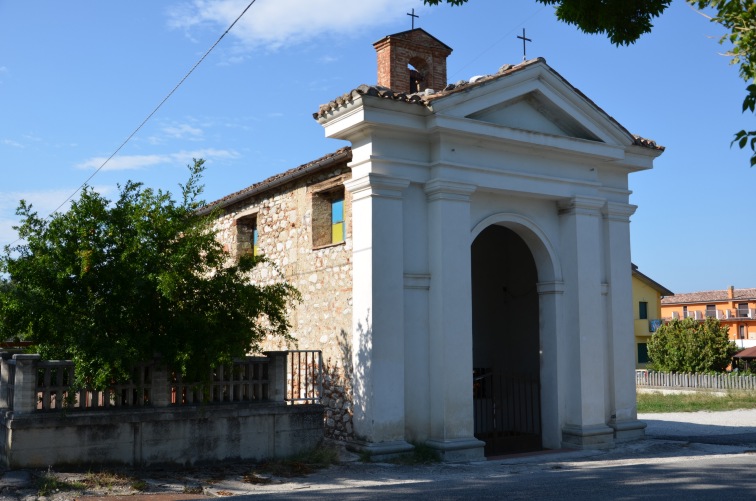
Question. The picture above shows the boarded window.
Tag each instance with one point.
(337, 220)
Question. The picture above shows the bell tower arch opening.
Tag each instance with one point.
(418, 71)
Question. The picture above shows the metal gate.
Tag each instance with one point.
(507, 410)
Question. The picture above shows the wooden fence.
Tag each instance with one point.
(672, 380)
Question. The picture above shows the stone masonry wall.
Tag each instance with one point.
(322, 274)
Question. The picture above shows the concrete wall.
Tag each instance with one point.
(159, 436)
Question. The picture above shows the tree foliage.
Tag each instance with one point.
(111, 285)
(692, 346)
(625, 21)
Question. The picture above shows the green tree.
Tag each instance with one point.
(625, 21)
(111, 285)
(689, 345)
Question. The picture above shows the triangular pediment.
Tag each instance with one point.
(531, 98)
(535, 113)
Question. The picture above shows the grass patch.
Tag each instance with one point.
(48, 484)
(300, 465)
(692, 402)
(421, 454)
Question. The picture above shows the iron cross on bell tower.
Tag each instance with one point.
(413, 16)
(524, 39)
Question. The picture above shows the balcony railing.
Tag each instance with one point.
(741, 313)
(736, 313)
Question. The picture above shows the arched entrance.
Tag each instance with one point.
(506, 345)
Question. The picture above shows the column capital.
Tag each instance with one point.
(444, 189)
(619, 212)
(555, 287)
(376, 185)
(580, 205)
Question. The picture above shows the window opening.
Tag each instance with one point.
(418, 69)
(642, 353)
(643, 310)
(742, 309)
(247, 236)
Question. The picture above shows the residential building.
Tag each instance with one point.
(735, 308)
(647, 295)
(471, 231)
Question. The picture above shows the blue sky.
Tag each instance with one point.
(77, 78)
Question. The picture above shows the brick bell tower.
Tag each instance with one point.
(412, 61)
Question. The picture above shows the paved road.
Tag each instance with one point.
(720, 477)
(699, 456)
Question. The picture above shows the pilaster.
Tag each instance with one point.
(623, 408)
(378, 324)
(450, 307)
(585, 350)
(25, 386)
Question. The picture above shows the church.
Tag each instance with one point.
(463, 264)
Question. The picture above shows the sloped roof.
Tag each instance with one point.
(426, 98)
(411, 35)
(340, 155)
(711, 296)
(651, 283)
(747, 353)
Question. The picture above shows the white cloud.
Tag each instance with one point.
(134, 162)
(11, 142)
(183, 131)
(279, 23)
(43, 202)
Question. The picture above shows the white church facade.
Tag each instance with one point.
(465, 263)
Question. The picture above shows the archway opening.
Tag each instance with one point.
(506, 344)
(418, 73)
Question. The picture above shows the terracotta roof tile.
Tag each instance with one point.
(342, 154)
(426, 98)
(710, 296)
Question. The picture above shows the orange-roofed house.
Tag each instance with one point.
(735, 308)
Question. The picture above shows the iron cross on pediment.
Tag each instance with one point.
(413, 16)
(524, 39)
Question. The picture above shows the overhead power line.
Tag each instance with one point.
(152, 113)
